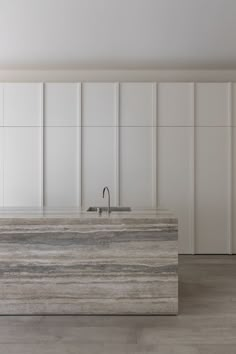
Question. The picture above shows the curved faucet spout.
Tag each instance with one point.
(109, 199)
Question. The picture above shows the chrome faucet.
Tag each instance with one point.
(109, 200)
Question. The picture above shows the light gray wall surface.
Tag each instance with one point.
(117, 34)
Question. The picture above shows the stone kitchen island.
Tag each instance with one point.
(83, 263)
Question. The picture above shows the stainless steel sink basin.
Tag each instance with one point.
(101, 209)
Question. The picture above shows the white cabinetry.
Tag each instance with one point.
(98, 165)
(1, 105)
(137, 104)
(22, 168)
(99, 121)
(137, 144)
(1, 168)
(61, 104)
(136, 169)
(99, 104)
(166, 144)
(212, 104)
(174, 179)
(60, 167)
(22, 104)
(175, 104)
(212, 190)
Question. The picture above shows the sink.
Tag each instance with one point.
(117, 209)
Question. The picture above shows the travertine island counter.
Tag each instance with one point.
(82, 263)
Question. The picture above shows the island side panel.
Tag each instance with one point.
(64, 270)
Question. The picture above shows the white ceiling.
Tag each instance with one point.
(118, 34)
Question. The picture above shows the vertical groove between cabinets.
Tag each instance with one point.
(154, 145)
(117, 142)
(192, 159)
(79, 145)
(42, 145)
(230, 170)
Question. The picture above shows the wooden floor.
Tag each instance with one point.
(206, 322)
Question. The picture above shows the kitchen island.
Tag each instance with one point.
(83, 263)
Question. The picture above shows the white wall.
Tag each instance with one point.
(117, 34)
(166, 144)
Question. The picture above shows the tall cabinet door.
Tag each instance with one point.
(61, 145)
(234, 184)
(1, 169)
(175, 134)
(98, 165)
(22, 144)
(136, 167)
(99, 102)
(137, 145)
(60, 167)
(212, 165)
(212, 190)
(175, 179)
(1, 145)
(22, 169)
(234, 165)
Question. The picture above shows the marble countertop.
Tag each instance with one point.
(134, 218)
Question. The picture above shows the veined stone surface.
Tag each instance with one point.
(125, 263)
